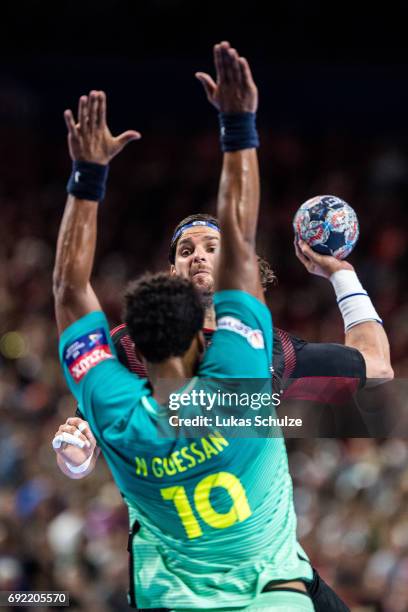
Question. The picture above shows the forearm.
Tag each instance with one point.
(238, 205)
(73, 294)
(238, 197)
(76, 244)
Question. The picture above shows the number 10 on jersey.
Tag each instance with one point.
(238, 512)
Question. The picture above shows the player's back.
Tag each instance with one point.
(216, 515)
(208, 489)
(216, 512)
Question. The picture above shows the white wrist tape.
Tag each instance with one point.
(353, 301)
(78, 469)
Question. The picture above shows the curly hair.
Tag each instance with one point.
(268, 276)
(163, 313)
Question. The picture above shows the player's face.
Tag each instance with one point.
(196, 255)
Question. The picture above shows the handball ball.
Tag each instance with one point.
(328, 225)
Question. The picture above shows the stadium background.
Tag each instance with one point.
(332, 117)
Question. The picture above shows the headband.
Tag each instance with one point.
(187, 226)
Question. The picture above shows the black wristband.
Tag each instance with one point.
(238, 131)
(88, 180)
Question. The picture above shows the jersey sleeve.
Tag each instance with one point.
(324, 372)
(106, 392)
(241, 347)
(330, 360)
(126, 353)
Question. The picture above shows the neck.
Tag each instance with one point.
(206, 298)
(209, 318)
(168, 376)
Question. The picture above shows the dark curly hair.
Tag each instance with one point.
(163, 313)
(266, 273)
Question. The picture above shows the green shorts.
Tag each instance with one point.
(273, 601)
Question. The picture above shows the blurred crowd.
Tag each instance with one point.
(351, 495)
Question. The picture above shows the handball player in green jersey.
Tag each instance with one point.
(217, 523)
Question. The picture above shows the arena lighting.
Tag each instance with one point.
(13, 345)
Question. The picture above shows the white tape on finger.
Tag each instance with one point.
(82, 427)
(57, 441)
(68, 439)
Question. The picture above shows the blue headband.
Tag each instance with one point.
(183, 228)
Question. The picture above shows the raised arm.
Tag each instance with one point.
(236, 97)
(363, 329)
(91, 147)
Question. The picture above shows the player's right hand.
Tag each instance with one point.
(74, 441)
(315, 263)
(90, 139)
(235, 90)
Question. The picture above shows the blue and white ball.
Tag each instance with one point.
(328, 225)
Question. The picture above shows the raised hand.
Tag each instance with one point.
(235, 90)
(90, 139)
(315, 263)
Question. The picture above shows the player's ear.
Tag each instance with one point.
(172, 270)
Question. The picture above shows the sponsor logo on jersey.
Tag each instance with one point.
(94, 339)
(253, 336)
(86, 352)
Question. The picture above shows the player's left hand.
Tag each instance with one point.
(90, 139)
(235, 90)
(315, 263)
(74, 441)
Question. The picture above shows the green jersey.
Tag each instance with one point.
(216, 513)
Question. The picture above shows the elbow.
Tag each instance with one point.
(378, 372)
(64, 293)
(384, 372)
(389, 372)
(57, 283)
